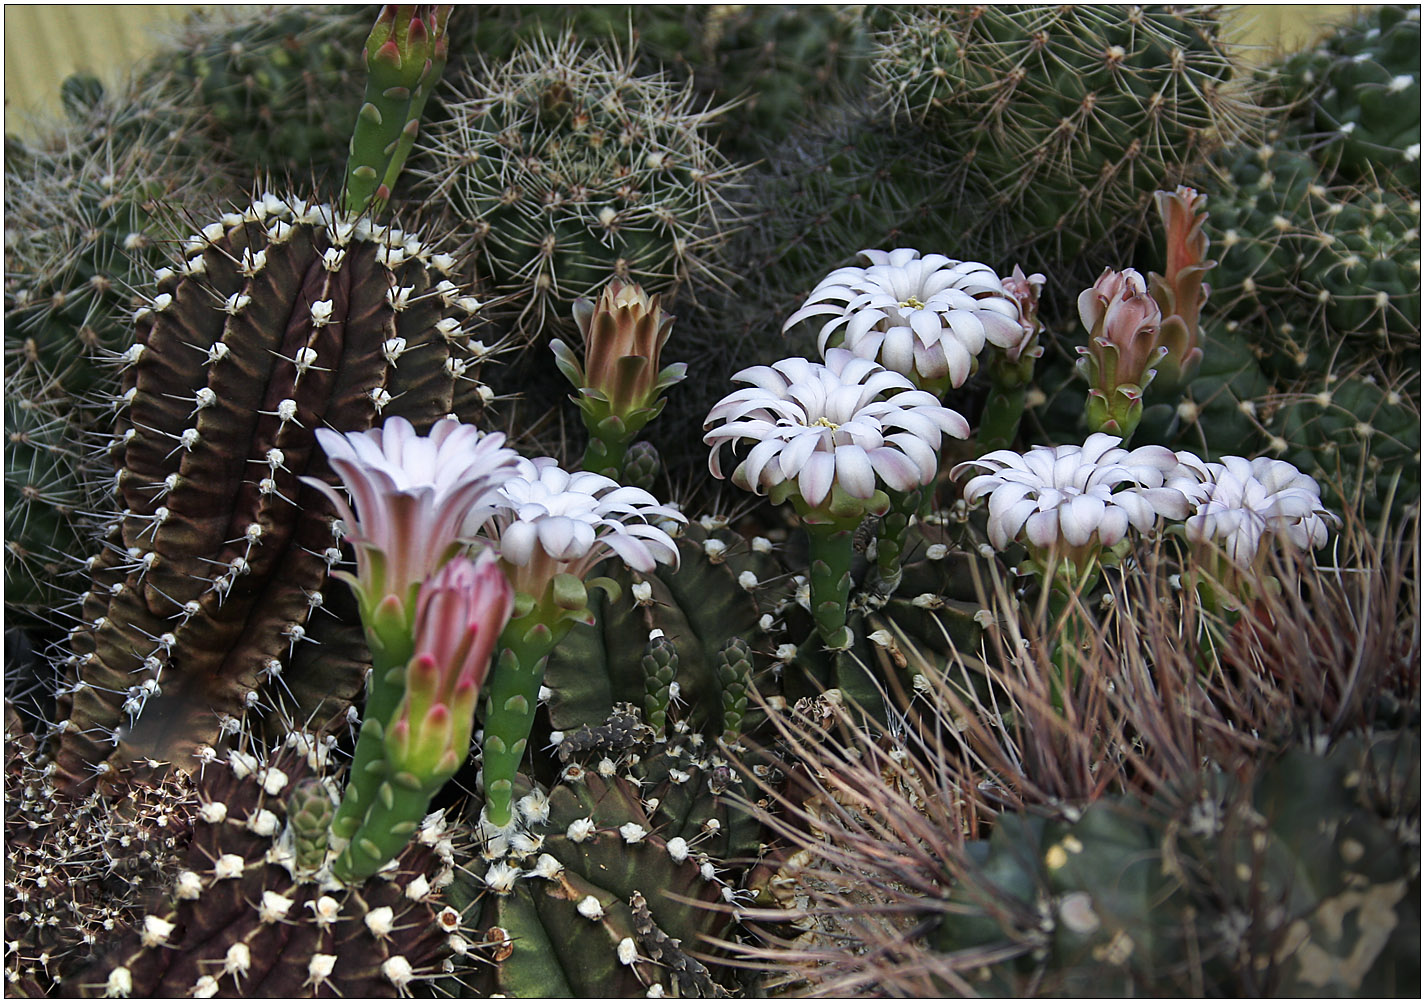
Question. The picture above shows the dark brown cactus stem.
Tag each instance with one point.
(285, 319)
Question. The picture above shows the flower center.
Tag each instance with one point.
(826, 422)
(912, 303)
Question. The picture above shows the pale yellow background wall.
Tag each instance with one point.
(44, 43)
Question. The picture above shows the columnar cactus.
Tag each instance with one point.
(283, 317)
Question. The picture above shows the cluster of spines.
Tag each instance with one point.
(86, 225)
(280, 318)
(243, 915)
(588, 883)
(280, 91)
(1067, 118)
(78, 871)
(568, 167)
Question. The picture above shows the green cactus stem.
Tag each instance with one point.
(513, 690)
(405, 56)
(830, 580)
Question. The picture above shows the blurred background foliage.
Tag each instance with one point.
(44, 43)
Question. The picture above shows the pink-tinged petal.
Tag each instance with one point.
(815, 481)
(1113, 525)
(1043, 528)
(854, 471)
(894, 468)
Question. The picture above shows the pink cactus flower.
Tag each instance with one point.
(417, 498)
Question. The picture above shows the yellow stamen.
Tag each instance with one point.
(826, 422)
(912, 303)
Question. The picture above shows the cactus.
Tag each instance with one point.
(1355, 98)
(605, 890)
(88, 222)
(1061, 119)
(697, 607)
(1305, 266)
(282, 319)
(1357, 436)
(279, 90)
(238, 914)
(1029, 856)
(568, 168)
(405, 56)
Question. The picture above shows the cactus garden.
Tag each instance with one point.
(717, 501)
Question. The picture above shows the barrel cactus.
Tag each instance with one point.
(569, 167)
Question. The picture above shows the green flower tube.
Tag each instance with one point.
(412, 496)
(552, 527)
(461, 612)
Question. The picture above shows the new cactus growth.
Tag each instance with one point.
(405, 56)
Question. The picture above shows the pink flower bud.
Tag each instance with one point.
(459, 616)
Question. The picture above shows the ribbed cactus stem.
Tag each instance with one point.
(734, 665)
(512, 694)
(660, 665)
(309, 817)
(641, 465)
(1005, 405)
(830, 580)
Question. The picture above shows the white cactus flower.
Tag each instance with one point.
(1075, 494)
(815, 425)
(926, 318)
(548, 521)
(1239, 502)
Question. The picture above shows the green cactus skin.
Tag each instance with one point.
(636, 823)
(1355, 99)
(660, 664)
(1228, 884)
(278, 91)
(213, 574)
(233, 918)
(1066, 118)
(405, 57)
(569, 168)
(87, 224)
(1305, 267)
(642, 466)
(698, 607)
(1360, 439)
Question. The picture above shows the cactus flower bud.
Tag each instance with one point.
(1181, 291)
(620, 384)
(1123, 321)
(459, 616)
